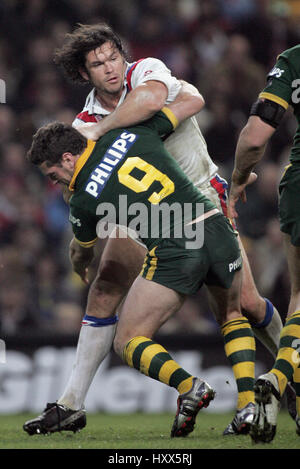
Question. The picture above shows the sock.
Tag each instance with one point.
(94, 343)
(268, 331)
(296, 379)
(240, 351)
(154, 361)
(288, 356)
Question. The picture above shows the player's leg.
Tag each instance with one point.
(264, 317)
(147, 306)
(239, 348)
(262, 314)
(269, 388)
(121, 262)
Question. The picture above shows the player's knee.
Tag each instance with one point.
(112, 274)
(104, 299)
(107, 285)
(118, 346)
(250, 301)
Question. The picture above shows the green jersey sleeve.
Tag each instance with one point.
(84, 226)
(279, 83)
(163, 122)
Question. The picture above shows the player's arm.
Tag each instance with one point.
(80, 258)
(249, 151)
(265, 116)
(146, 100)
(187, 103)
(81, 249)
(140, 105)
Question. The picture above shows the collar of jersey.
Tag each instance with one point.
(81, 162)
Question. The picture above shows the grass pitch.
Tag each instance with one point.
(143, 431)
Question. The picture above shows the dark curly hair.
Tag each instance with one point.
(52, 140)
(71, 56)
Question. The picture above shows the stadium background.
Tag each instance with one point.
(225, 48)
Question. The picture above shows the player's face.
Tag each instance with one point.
(105, 69)
(58, 173)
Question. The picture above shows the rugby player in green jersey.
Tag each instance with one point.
(133, 163)
(126, 94)
(282, 90)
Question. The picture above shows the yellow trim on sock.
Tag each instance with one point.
(296, 379)
(185, 385)
(245, 398)
(240, 368)
(167, 370)
(287, 353)
(296, 376)
(236, 345)
(282, 381)
(295, 314)
(130, 348)
(291, 329)
(147, 356)
(242, 323)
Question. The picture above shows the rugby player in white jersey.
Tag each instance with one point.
(95, 54)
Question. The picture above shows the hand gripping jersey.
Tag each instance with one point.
(186, 144)
(129, 170)
(283, 87)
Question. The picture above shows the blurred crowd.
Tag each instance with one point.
(224, 47)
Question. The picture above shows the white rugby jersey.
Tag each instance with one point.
(186, 144)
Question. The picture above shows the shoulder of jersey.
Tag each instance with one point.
(293, 52)
(86, 117)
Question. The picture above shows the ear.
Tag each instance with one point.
(68, 158)
(84, 74)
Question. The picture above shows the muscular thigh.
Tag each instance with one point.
(225, 303)
(148, 305)
(121, 260)
(120, 264)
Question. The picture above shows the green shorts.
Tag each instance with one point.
(289, 203)
(184, 270)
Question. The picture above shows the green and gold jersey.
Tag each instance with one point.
(283, 87)
(127, 178)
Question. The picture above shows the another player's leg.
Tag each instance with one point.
(147, 306)
(297, 388)
(262, 314)
(239, 348)
(120, 264)
(266, 325)
(270, 387)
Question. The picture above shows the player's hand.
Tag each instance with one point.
(91, 131)
(238, 192)
(80, 259)
(83, 273)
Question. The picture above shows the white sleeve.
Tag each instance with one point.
(77, 122)
(154, 69)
